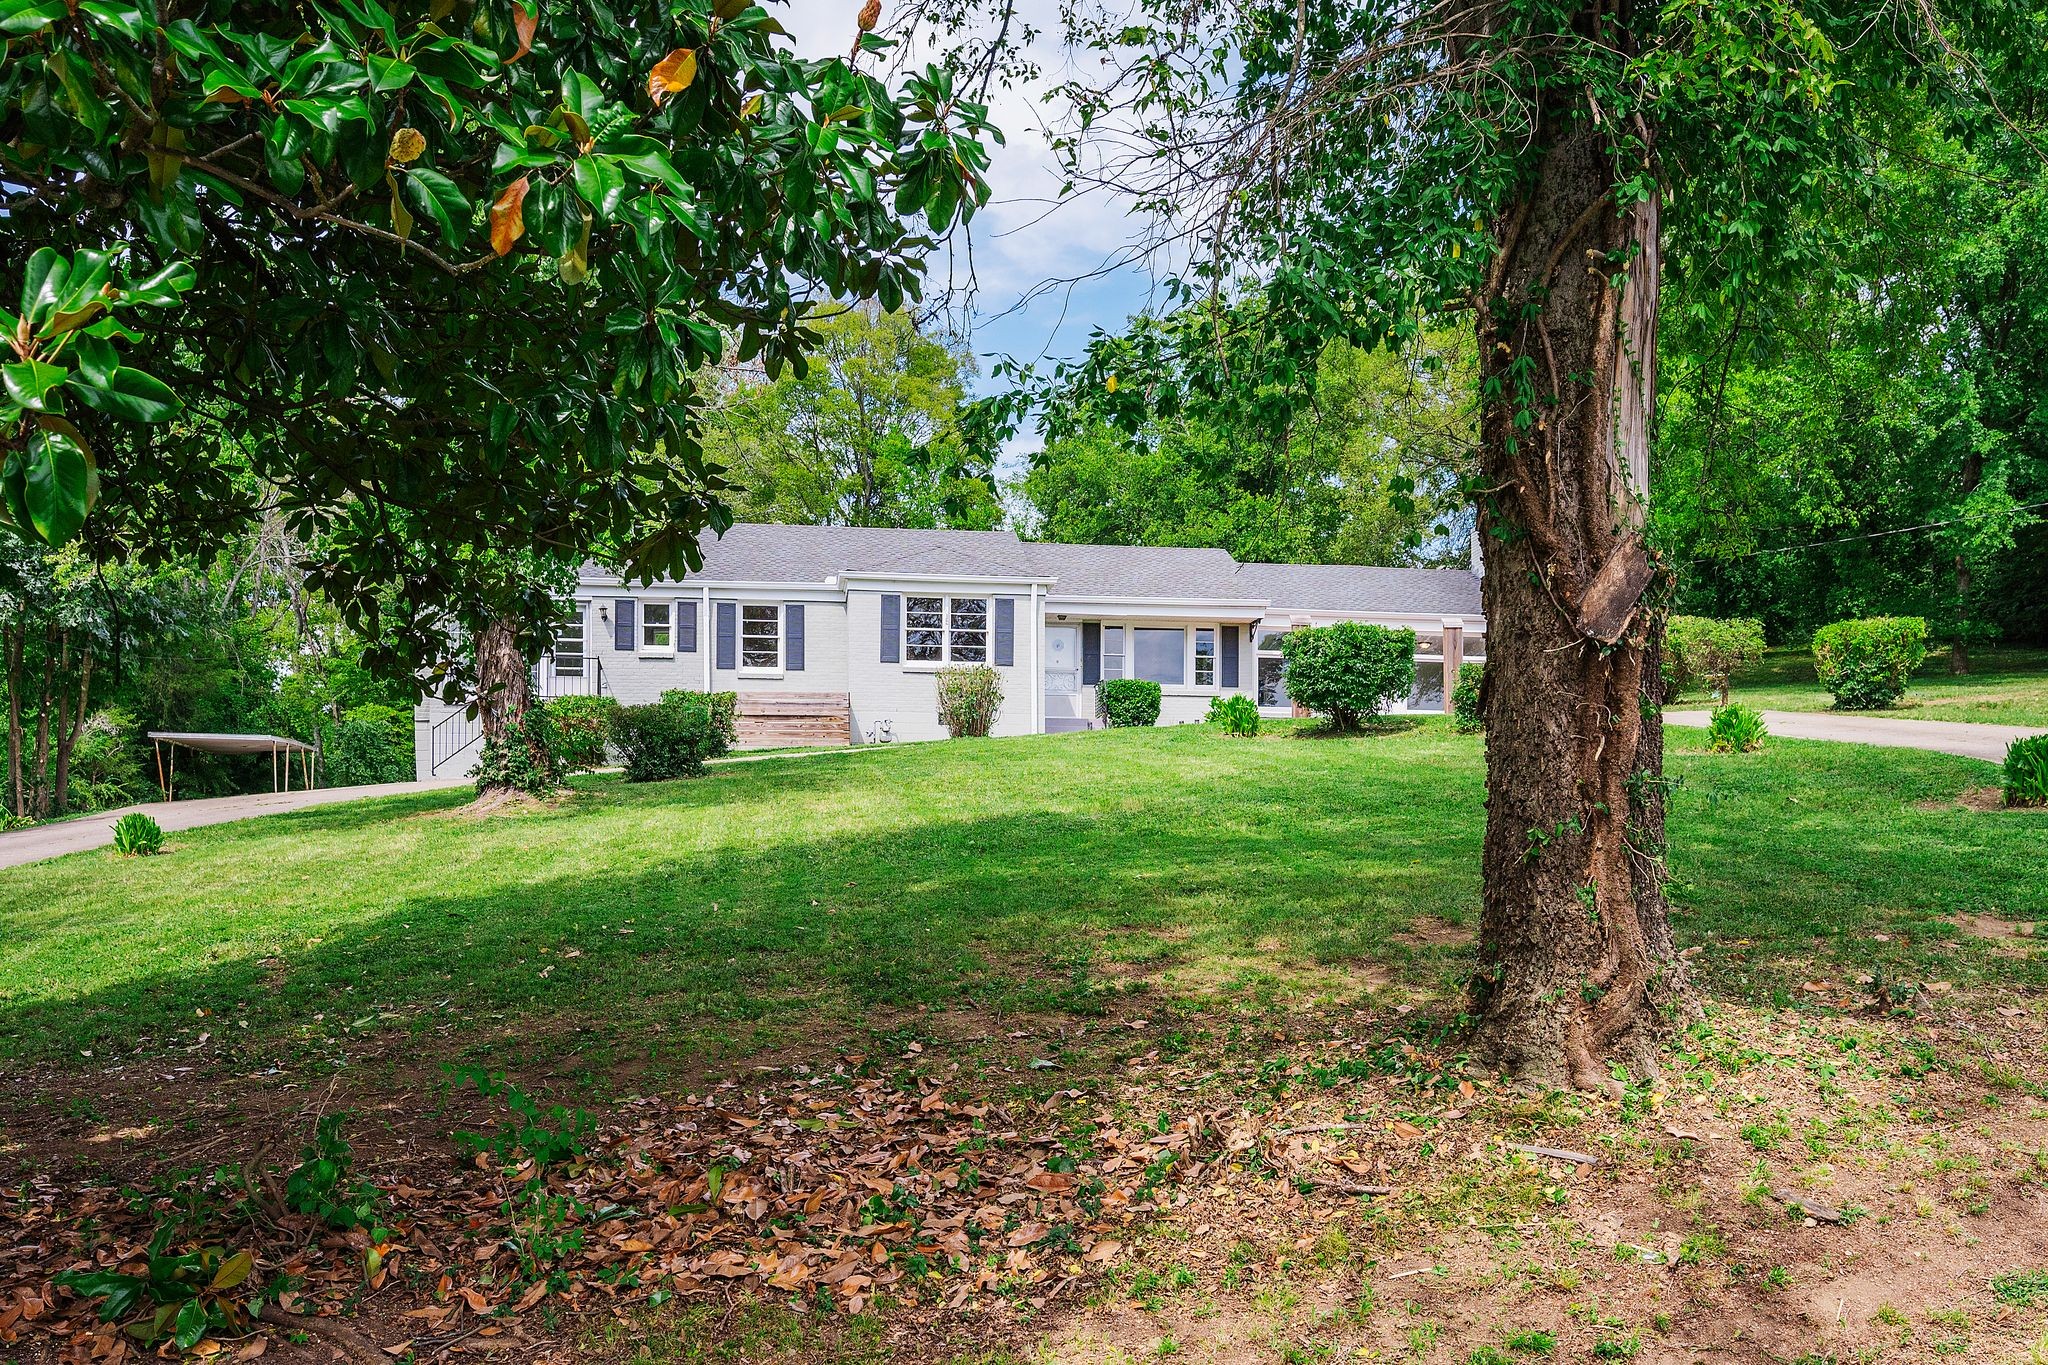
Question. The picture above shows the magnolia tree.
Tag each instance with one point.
(436, 278)
(1359, 171)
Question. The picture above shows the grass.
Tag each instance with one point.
(664, 925)
(2005, 686)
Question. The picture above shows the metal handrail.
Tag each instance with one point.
(452, 735)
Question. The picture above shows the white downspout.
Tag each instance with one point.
(1037, 680)
(707, 636)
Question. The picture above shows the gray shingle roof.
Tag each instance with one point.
(758, 552)
(1349, 587)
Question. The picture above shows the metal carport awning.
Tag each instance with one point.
(274, 745)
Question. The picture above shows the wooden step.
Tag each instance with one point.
(777, 720)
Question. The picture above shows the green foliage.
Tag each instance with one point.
(1128, 701)
(1466, 714)
(506, 227)
(1700, 651)
(105, 769)
(583, 730)
(179, 1299)
(2023, 1288)
(370, 743)
(545, 1135)
(1237, 713)
(970, 697)
(2025, 775)
(523, 758)
(870, 436)
(1532, 1341)
(666, 739)
(1865, 663)
(136, 835)
(1736, 729)
(324, 1186)
(1349, 672)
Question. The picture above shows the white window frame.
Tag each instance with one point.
(947, 610)
(1120, 653)
(1187, 646)
(781, 641)
(646, 647)
(1215, 657)
(577, 624)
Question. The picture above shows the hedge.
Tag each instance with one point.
(1349, 672)
(1126, 702)
(1865, 663)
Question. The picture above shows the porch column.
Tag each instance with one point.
(1454, 653)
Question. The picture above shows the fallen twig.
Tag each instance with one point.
(1322, 1128)
(335, 1332)
(1823, 1212)
(1554, 1153)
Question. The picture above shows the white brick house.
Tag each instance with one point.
(858, 620)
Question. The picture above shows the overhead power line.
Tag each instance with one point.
(1869, 535)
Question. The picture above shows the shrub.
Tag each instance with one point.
(583, 730)
(1736, 729)
(1465, 713)
(969, 699)
(523, 758)
(722, 710)
(1700, 651)
(324, 1185)
(2026, 772)
(106, 771)
(1236, 713)
(1128, 701)
(136, 835)
(370, 743)
(667, 739)
(1349, 672)
(1866, 663)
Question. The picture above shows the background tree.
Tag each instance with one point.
(1355, 171)
(1368, 472)
(453, 269)
(868, 436)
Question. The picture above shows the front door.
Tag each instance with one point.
(1062, 671)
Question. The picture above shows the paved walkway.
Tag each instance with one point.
(95, 831)
(1967, 738)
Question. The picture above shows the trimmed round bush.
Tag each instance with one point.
(1466, 717)
(1701, 651)
(1865, 663)
(583, 730)
(1736, 729)
(1125, 702)
(666, 739)
(137, 835)
(970, 698)
(2026, 772)
(1349, 672)
(1236, 713)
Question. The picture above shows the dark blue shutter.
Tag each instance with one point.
(892, 628)
(1229, 656)
(793, 636)
(728, 635)
(623, 623)
(1006, 631)
(1091, 653)
(686, 627)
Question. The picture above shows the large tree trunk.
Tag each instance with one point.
(504, 682)
(70, 725)
(1576, 957)
(17, 794)
(41, 804)
(1959, 643)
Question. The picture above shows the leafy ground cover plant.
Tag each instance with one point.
(1865, 663)
(1349, 672)
(1236, 713)
(179, 1299)
(1736, 729)
(1702, 651)
(546, 1135)
(970, 698)
(1127, 702)
(137, 835)
(324, 1185)
(2026, 772)
(523, 757)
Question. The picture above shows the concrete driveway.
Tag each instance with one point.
(96, 831)
(1969, 739)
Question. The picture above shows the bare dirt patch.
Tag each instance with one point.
(1428, 931)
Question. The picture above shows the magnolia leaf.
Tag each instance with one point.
(435, 195)
(162, 287)
(508, 219)
(523, 22)
(49, 483)
(401, 221)
(575, 262)
(19, 18)
(29, 384)
(407, 144)
(233, 1270)
(134, 394)
(672, 74)
(43, 285)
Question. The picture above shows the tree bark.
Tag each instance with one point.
(504, 681)
(1576, 956)
(42, 763)
(70, 725)
(1959, 643)
(17, 796)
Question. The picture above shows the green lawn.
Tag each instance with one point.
(659, 925)
(2005, 687)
